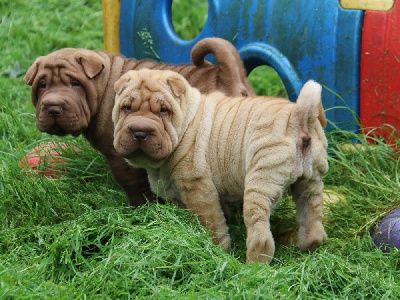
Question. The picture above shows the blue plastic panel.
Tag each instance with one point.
(300, 39)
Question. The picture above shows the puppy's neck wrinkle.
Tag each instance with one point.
(184, 149)
(98, 129)
(194, 142)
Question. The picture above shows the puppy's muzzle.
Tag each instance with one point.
(140, 135)
(141, 131)
(54, 110)
(53, 107)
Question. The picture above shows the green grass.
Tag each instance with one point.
(74, 236)
(193, 18)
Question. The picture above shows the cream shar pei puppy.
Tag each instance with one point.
(73, 92)
(207, 149)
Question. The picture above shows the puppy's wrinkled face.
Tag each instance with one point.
(63, 90)
(147, 115)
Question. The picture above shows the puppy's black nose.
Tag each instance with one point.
(140, 135)
(54, 110)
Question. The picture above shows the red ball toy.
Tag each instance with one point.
(46, 159)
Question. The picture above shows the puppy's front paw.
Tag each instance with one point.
(223, 240)
(311, 238)
(260, 247)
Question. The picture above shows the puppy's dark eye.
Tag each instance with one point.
(126, 108)
(42, 84)
(75, 82)
(164, 110)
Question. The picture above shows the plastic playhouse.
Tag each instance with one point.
(351, 47)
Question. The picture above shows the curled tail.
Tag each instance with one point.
(225, 53)
(309, 111)
(309, 105)
(231, 68)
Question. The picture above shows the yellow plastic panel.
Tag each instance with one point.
(111, 9)
(381, 5)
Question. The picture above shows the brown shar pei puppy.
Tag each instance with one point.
(209, 149)
(73, 92)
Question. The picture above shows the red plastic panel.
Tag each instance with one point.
(380, 70)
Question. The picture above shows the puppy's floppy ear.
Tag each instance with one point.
(92, 64)
(120, 84)
(177, 85)
(32, 71)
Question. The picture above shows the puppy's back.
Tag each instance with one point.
(248, 128)
(241, 127)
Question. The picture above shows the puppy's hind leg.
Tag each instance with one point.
(307, 194)
(259, 197)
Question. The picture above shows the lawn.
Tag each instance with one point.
(75, 237)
